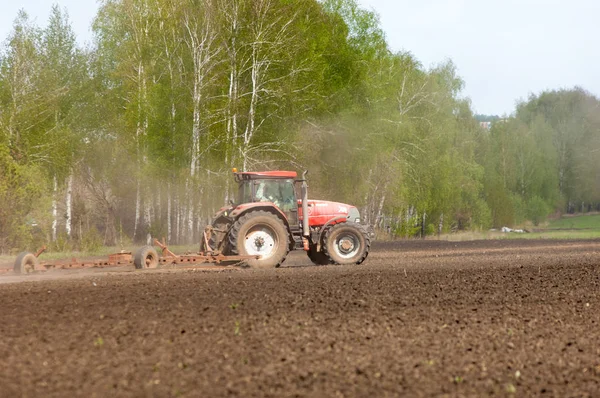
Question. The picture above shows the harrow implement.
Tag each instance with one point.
(144, 258)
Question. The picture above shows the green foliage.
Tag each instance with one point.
(406, 230)
(147, 123)
(537, 210)
(62, 244)
(481, 215)
(20, 192)
(91, 241)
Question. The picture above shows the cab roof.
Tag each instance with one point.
(251, 175)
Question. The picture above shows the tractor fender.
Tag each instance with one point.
(265, 206)
(333, 221)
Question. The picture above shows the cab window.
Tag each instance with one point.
(279, 192)
(245, 192)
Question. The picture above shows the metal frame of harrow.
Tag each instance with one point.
(124, 258)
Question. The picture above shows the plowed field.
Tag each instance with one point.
(500, 318)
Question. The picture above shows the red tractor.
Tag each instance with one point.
(267, 221)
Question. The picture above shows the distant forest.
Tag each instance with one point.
(138, 133)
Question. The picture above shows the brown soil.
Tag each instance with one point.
(503, 318)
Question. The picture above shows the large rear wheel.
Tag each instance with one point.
(260, 233)
(217, 238)
(347, 243)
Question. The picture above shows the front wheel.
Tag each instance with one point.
(347, 243)
(260, 233)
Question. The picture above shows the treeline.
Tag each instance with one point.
(544, 159)
(137, 134)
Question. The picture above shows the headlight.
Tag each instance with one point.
(357, 220)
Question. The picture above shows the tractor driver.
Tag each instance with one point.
(266, 193)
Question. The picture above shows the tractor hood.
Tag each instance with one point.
(322, 211)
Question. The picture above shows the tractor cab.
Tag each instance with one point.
(277, 187)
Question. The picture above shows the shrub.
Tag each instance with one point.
(20, 191)
(91, 241)
(537, 210)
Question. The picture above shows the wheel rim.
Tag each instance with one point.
(149, 261)
(261, 241)
(28, 267)
(346, 245)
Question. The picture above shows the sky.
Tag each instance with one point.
(504, 50)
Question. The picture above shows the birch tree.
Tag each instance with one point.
(265, 65)
(201, 37)
(123, 30)
(62, 75)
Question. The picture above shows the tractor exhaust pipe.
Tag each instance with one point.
(305, 230)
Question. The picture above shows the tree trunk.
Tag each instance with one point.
(147, 211)
(138, 199)
(69, 204)
(169, 213)
(178, 221)
(190, 212)
(250, 125)
(380, 211)
(54, 209)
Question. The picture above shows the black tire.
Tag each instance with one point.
(260, 233)
(25, 263)
(347, 243)
(216, 239)
(318, 258)
(146, 258)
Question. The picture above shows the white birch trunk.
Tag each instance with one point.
(195, 129)
(231, 131)
(380, 211)
(168, 213)
(69, 204)
(178, 221)
(54, 210)
(147, 211)
(200, 40)
(157, 208)
(190, 212)
(138, 200)
(250, 126)
(232, 116)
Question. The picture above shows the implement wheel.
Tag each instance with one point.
(347, 243)
(260, 233)
(25, 263)
(146, 258)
